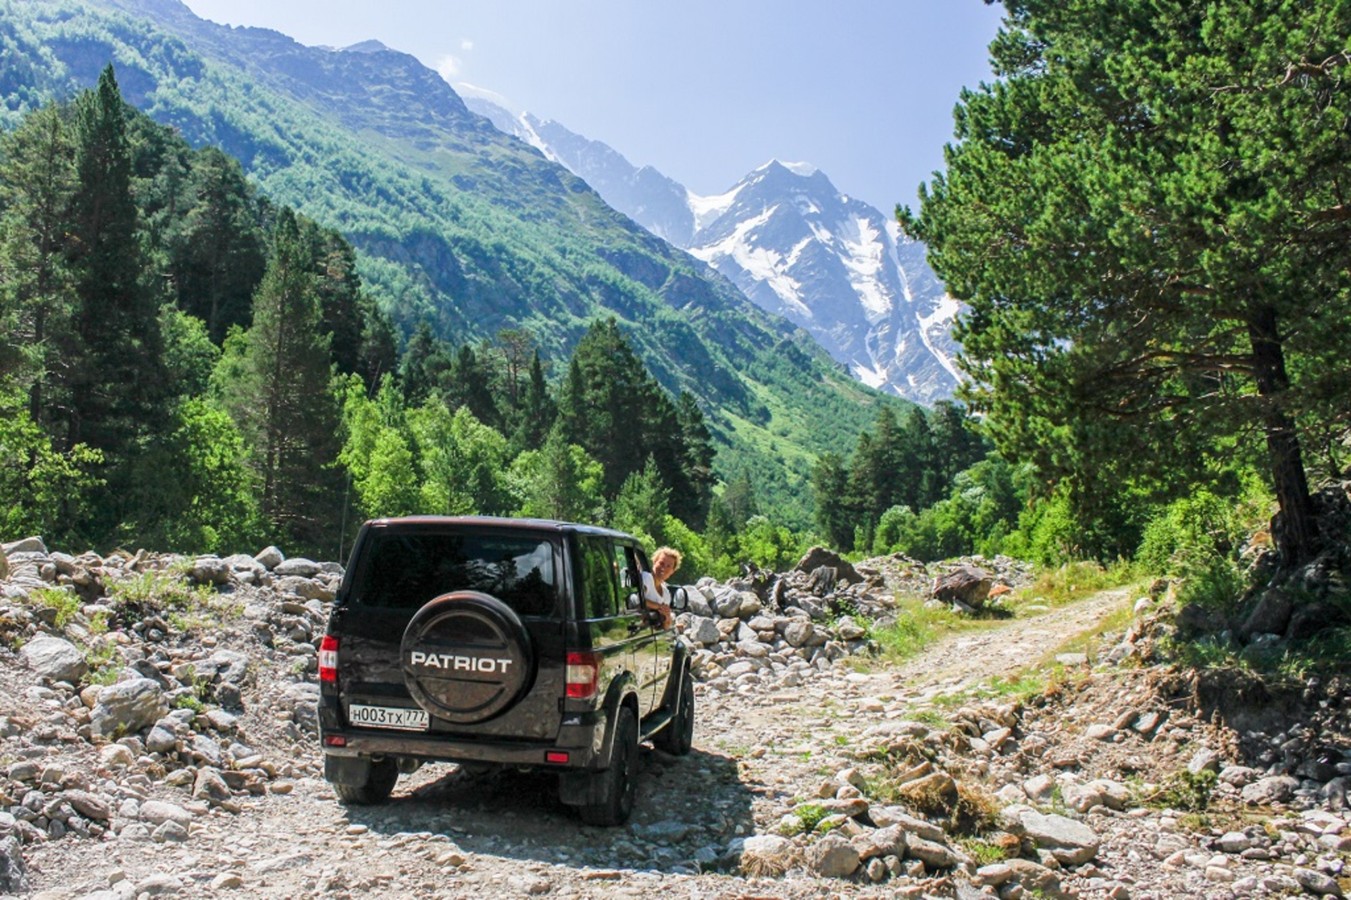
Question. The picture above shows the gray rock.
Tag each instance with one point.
(968, 585)
(702, 630)
(159, 886)
(933, 854)
(1318, 883)
(888, 841)
(833, 857)
(767, 855)
(13, 872)
(817, 557)
(1239, 776)
(55, 658)
(89, 805)
(206, 751)
(270, 558)
(849, 630)
(1036, 877)
(798, 632)
(209, 570)
(1273, 789)
(1204, 760)
(157, 812)
(243, 564)
(210, 786)
(127, 707)
(296, 566)
(885, 816)
(162, 738)
(26, 545)
(1070, 842)
(1270, 616)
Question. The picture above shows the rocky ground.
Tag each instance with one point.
(157, 739)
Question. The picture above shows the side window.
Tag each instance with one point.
(600, 578)
(634, 563)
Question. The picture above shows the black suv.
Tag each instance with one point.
(509, 642)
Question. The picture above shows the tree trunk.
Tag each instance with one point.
(1295, 531)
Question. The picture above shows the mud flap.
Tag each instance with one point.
(579, 788)
(347, 769)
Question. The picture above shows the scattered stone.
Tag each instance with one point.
(55, 658)
(833, 857)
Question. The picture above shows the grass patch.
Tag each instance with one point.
(158, 593)
(64, 603)
(917, 627)
(1074, 581)
(985, 852)
(1185, 791)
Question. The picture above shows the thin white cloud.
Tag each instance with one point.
(448, 67)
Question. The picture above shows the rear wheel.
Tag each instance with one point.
(377, 787)
(678, 737)
(620, 781)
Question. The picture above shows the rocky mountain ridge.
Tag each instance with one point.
(795, 245)
(157, 738)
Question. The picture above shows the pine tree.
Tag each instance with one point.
(424, 361)
(284, 401)
(218, 255)
(37, 182)
(538, 411)
(690, 504)
(115, 393)
(469, 384)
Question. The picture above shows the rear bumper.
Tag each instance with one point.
(581, 737)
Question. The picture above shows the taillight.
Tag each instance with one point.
(583, 674)
(328, 659)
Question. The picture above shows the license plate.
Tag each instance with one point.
(387, 717)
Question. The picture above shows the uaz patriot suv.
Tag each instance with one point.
(499, 642)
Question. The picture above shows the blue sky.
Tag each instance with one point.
(703, 90)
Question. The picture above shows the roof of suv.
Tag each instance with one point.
(497, 522)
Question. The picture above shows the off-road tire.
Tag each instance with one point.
(678, 737)
(619, 782)
(379, 785)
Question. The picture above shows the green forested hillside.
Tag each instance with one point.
(453, 222)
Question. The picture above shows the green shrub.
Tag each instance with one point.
(64, 602)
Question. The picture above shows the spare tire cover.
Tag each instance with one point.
(466, 657)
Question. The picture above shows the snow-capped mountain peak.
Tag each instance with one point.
(794, 245)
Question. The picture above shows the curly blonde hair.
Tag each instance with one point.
(673, 553)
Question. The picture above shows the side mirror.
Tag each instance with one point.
(680, 601)
(631, 601)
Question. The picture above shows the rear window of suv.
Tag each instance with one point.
(405, 570)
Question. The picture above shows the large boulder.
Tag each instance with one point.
(55, 658)
(967, 585)
(127, 707)
(817, 557)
